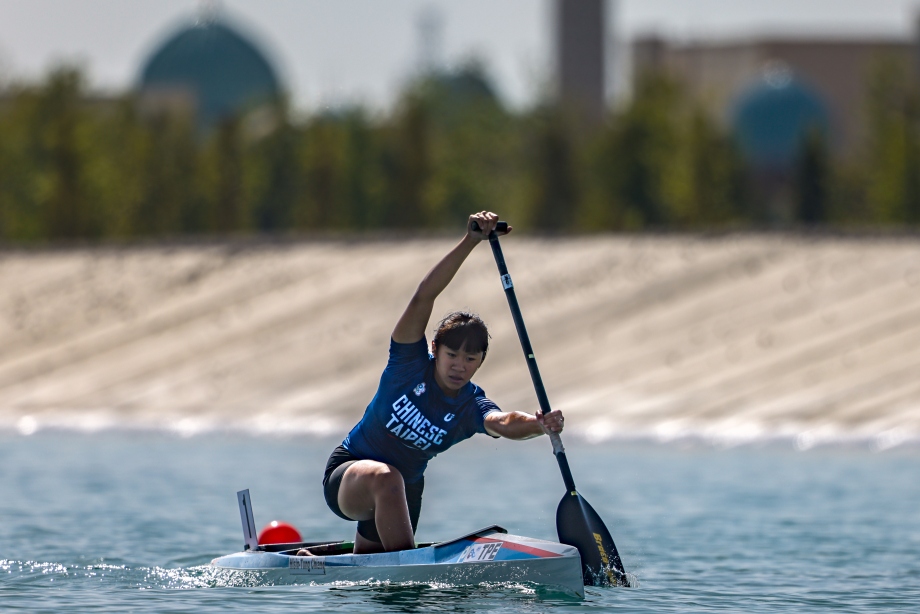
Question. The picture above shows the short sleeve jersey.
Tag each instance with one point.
(410, 420)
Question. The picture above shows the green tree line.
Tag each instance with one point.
(74, 167)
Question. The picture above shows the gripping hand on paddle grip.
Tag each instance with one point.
(482, 224)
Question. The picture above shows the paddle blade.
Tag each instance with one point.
(579, 525)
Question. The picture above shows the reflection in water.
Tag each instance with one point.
(412, 597)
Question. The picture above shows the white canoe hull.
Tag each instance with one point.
(489, 555)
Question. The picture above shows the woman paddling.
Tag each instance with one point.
(424, 405)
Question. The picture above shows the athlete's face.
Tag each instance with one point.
(454, 368)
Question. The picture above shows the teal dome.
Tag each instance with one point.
(467, 86)
(772, 118)
(453, 95)
(224, 72)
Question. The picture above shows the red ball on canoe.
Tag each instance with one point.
(277, 532)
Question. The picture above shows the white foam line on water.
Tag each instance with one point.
(94, 421)
(721, 433)
(739, 433)
(200, 576)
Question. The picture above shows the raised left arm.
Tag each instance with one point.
(518, 425)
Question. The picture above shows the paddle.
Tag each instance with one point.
(576, 521)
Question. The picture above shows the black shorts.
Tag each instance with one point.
(339, 461)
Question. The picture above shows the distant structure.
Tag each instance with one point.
(771, 118)
(796, 82)
(209, 69)
(430, 33)
(451, 90)
(580, 63)
(452, 93)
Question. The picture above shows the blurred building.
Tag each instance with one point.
(772, 89)
(208, 69)
(580, 63)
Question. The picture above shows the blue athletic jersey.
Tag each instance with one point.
(411, 420)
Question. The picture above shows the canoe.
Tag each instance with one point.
(487, 555)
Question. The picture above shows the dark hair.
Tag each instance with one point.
(463, 329)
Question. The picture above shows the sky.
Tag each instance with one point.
(333, 52)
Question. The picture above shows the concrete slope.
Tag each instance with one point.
(734, 338)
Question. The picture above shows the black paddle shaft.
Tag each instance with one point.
(576, 521)
(507, 284)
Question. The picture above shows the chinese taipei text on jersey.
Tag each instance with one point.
(410, 420)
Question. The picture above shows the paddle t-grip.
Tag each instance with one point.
(500, 227)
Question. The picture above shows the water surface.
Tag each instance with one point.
(123, 521)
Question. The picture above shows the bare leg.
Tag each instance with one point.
(376, 490)
(367, 546)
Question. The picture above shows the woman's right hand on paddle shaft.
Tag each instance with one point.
(486, 220)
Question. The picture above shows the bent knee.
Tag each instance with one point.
(375, 475)
(388, 478)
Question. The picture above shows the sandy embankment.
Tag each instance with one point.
(735, 338)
